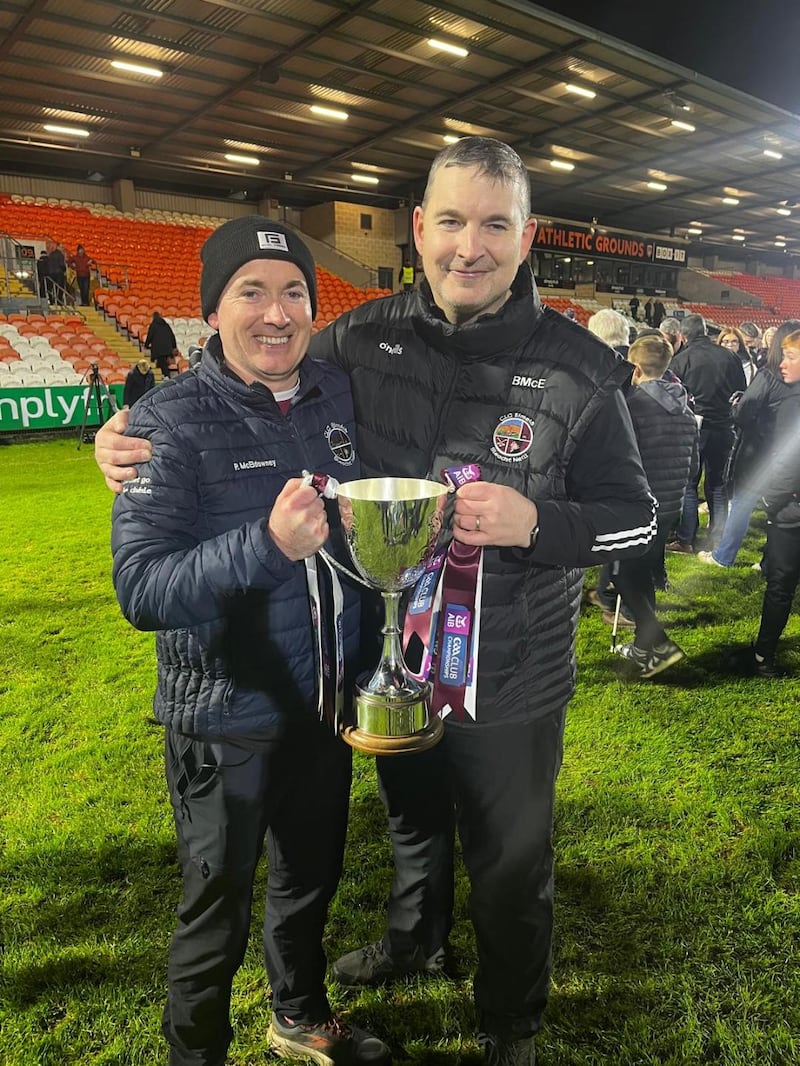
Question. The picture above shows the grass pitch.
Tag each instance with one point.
(677, 830)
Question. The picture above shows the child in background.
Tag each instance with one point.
(666, 431)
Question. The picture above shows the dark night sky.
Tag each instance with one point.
(752, 45)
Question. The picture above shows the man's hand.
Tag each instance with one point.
(493, 514)
(298, 523)
(114, 452)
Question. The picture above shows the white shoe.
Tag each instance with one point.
(708, 557)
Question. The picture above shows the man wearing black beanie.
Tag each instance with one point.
(213, 546)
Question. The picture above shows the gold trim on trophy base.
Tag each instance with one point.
(374, 744)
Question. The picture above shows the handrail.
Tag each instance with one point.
(373, 271)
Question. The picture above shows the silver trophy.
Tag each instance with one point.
(391, 527)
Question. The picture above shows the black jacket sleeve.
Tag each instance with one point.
(610, 511)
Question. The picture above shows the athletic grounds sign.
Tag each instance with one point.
(54, 407)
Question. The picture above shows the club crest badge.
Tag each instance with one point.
(340, 443)
(512, 438)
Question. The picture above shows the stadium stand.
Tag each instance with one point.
(150, 261)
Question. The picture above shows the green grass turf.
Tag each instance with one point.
(678, 920)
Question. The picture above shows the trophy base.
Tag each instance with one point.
(375, 744)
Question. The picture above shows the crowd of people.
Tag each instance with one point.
(64, 277)
(215, 531)
(739, 388)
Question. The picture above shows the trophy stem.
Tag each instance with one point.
(392, 651)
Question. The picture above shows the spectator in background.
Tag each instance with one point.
(42, 275)
(659, 313)
(782, 504)
(139, 380)
(612, 327)
(406, 276)
(733, 339)
(666, 431)
(56, 273)
(160, 342)
(633, 303)
(648, 311)
(83, 265)
(194, 355)
(671, 328)
(752, 338)
(754, 420)
(712, 375)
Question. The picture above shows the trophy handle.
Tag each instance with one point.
(326, 555)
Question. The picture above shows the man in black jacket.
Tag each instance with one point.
(470, 370)
(139, 380)
(712, 375)
(209, 545)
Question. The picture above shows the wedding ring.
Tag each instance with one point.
(477, 523)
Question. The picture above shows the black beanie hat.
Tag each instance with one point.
(242, 239)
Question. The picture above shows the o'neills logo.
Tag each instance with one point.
(512, 438)
(340, 444)
(267, 240)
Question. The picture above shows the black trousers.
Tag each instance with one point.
(716, 443)
(226, 802)
(496, 784)
(782, 562)
(635, 581)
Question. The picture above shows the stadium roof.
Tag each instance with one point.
(609, 132)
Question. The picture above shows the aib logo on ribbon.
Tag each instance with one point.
(457, 621)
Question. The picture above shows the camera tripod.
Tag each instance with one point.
(100, 392)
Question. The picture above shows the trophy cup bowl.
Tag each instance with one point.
(391, 528)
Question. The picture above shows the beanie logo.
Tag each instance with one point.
(340, 443)
(268, 240)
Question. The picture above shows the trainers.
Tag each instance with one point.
(372, 965)
(649, 663)
(708, 557)
(330, 1043)
(680, 547)
(500, 1052)
(622, 622)
(757, 566)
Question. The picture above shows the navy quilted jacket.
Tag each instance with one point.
(193, 559)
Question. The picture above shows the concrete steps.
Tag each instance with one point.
(127, 350)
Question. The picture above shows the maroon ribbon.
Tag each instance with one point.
(452, 659)
(448, 660)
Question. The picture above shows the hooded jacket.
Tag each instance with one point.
(193, 557)
(666, 430)
(538, 402)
